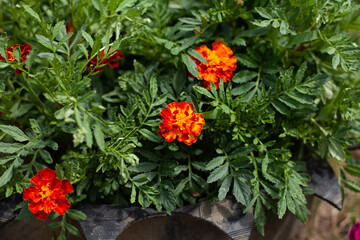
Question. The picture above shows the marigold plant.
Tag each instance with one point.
(166, 103)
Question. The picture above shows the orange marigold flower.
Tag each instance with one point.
(179, 120)
(25, 50)
(112, 60)
(220, 64)
(48, 194)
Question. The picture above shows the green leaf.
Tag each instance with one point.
(203, 91)
(263, 13)
(336, 149)
(5, 178)
(352, 170)
(224, 188)
(215, 162)
(247, 61)
(31, 12)
(76, 214)
(281, 108)
(72, 229)
(197, 55)
(57, 28)
(125, 4)
(244, 76)
(302, 37)
(190, 64)
(335, 61)
(14, 132)
(133, 194)
(259, 217)
(45, 155)
(35, 126)
(99, 137)
(282, 204)
(10, 147)
(218, 173)
(153, 87)
(242, 89)
(88, 38)
(149, 135)
(55, 225)
(241, 191)
(351, 185)
(180, 187)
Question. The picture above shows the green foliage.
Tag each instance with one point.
(295, 92)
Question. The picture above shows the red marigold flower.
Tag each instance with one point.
(25, 50)
(69, 28)
(48, 194)
(220, 64)
(179, 120)
(354, 233)
(112, 60)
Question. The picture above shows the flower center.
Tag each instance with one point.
(182, 119)
(45, 191)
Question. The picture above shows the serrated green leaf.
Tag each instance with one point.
(197, 55)
(14, 132)
(203, 91)
(215, 162)
(244, 76)
(190, 65)
(282, 205)
(247, 61)
(351, 185)
(125, 4)
(218, 173)
(6, 177)
(72, 229)
(241, 191)
(99, 137)
(281, 108)
(352, 170)
(46, 156)
(244, 88)
(76, 214)
(55, 225)
(35, 126)
(31, 12)
(259, 217)
(10, 147)
(180, 187)
(224, 188)
(336, 149)
(153, 87)
(88, 38)
(149, 135)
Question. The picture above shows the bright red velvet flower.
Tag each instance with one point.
(25, 50)
(220, 64)
(179, 120)
(48, 194)
(112, 60)
(354, 233)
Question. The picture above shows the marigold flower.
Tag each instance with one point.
(48, 194)
(220, 64)
(112, 61)
(354, 233)
(25, 50)
(179, 120)
(69, 28)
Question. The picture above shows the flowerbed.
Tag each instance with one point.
(167, 103)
